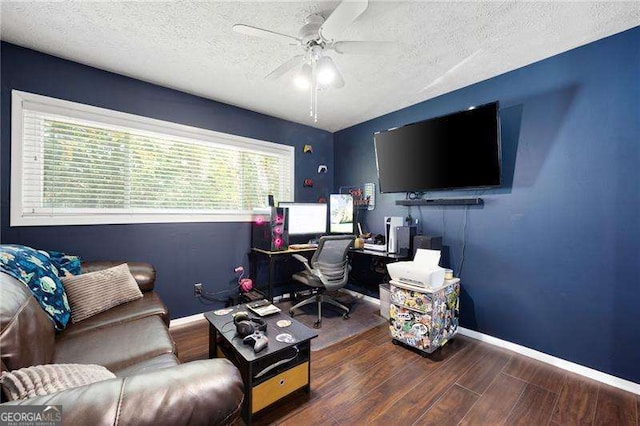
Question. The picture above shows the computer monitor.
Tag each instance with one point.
(341, 214)
(306, 218)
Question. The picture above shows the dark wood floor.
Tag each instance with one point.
(368, 380)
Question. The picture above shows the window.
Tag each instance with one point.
(77, 164)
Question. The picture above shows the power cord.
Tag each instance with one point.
(444, 225)
(420, 228)
(204, 297)
(464, 232)
(222, 330)
(409, 219)
(464, 239)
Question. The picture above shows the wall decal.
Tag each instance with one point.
(308, 183)
(322, 168)
(307, 149)
(364, 196)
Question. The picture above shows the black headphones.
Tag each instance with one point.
(245, 325)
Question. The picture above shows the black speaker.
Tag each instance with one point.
(270, 229)
(405, 236)
(245, 325)
(426, 242)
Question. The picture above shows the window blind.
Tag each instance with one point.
(79, 167)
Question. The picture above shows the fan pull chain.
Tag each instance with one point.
(314, 92)
(311, 101)
(315, 106)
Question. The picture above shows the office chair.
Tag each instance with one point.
(329, 271)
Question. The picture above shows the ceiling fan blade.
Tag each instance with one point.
(342, 16)
(366, 47)
(284, 68)
(270, 35)
(451, 71)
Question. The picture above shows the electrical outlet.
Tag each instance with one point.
(197, 289)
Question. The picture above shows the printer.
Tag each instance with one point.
(423, 271)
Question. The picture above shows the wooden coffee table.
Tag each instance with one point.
(275, 372)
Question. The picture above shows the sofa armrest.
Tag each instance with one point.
(195, 393)
(144, 273)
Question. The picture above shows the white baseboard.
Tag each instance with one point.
(361, 296)
(185, 320)
(556, 362)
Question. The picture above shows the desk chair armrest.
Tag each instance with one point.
(305, 262)
(302, 259)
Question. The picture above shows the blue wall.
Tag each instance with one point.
(183, 253)
(552, 258)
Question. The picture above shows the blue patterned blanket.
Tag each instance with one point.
(41, 271)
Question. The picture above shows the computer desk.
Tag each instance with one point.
(369, 268)
(274, 256)
(384, 254)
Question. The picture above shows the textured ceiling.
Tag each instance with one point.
(189, 46)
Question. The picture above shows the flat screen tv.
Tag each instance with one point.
(459, 150)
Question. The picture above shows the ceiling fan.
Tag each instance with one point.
(317, 37)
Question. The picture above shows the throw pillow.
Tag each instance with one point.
(45, 379)
(95, 292)
(66, 264)
(35, 270)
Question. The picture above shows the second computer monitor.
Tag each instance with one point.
(306, 218)
(341, 214)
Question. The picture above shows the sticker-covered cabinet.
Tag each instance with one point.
(424, 318)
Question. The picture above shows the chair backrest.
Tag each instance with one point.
(331, 259)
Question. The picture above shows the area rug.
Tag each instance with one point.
(364, 315)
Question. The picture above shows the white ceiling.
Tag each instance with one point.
(189, 46)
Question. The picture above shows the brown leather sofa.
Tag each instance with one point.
(131, 340)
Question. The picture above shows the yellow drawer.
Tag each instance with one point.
(219, 353)
(279, 386)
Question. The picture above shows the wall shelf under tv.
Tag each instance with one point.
(442, 202)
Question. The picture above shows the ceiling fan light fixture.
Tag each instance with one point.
(338, 82)
(302, 80)
(301, 83)
(326, 71)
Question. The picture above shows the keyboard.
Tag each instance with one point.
(303, 246)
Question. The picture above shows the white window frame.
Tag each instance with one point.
(115, 118)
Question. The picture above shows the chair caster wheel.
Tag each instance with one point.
(346, 316)
(395, 342)
(291, 314)
(317, 324)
